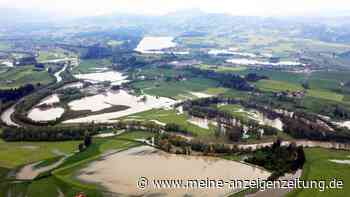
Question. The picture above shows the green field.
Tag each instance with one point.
(235, 110)
(89, 66)
(277, 86)
(318, 167)
(63, 180)
(66, 175)
(216, 91)
(175, 89)
(5, 46)
(19, 76)
(13, 154)
(50, 55)
(222, 68)
(325, 94)
(170, 116)
(114, 43)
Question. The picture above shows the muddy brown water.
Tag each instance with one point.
(120, 172)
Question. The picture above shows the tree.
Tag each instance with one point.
(81, 147)
(87, 139)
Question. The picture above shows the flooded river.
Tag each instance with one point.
(120, 172)
(58, 74)
(6, 116)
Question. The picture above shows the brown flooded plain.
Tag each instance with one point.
(120, 172)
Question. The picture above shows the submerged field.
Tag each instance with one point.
(171, 116)
(63, 181)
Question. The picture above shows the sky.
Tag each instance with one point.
(159, 7)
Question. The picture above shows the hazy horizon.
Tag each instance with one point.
(80, 8)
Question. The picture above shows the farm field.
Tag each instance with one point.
(222, 68)
(257, 92)
(235, 110)
(50, 55)
(319, 167)
(277, 86)
(170, 116)
(14, 154)
(175, 89)
(63, 179)
(91, 65)
(66, 175)
(24, 75)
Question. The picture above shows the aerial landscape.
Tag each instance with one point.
(174, 98)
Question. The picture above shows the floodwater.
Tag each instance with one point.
(230, 52)
(6, 116)
(155, 44)
(303, 143)
(200, 122)
(52, 99)
(115, 77)
(110, 98)
(340, 161)
(28, 172)
(58, 74)
(263, 120)
(120, 172)
(73, 85)
(344, 124)
(253, 114)
(7, 63)
(201, 94)
(37, 114)
(243, 61)
(278, 192)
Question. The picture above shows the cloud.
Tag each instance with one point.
(236, 7)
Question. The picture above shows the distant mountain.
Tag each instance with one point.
(190, 22)
(345, 55)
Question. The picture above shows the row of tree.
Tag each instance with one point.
(16, 93)
(279, 159)
(49, 133)
(180, 145)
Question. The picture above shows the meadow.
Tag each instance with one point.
(23, 75)
(170, 116)
(319, 167)
(175, 89)
(277, 86)
(15, 154)
(89, 66)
